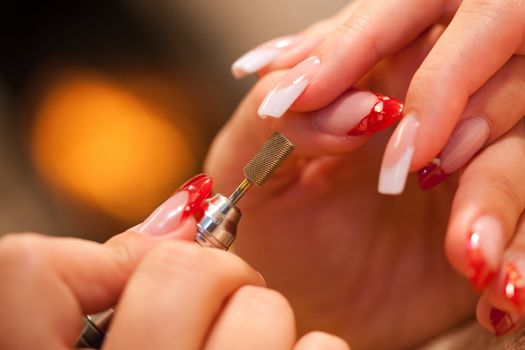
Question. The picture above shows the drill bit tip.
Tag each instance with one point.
(268, 158)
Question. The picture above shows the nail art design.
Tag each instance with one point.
(261, 56)
(279, 100)
(514, 285)
(484, 251)
(398, 156)
(199, 189)
(478, 271)
(385, 112)
(188, 200)
(501, 321)
(466, 140)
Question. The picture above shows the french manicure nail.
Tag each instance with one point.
(188, 200)
(501, 321)
(398, 156)
(466, 140)
(261, 56)
(514, 286)
(484, 251)
(293, 84)
(358, 113)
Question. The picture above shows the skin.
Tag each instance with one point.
(354, 41)
(368, 268)
(185, 296)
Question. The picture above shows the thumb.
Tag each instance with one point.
(49, 282)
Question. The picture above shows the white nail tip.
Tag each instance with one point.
(392, 179)
(253, 61)
(278, 101)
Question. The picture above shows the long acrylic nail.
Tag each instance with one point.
(358, 113)
(484, 251)
(261, 56)
(279, 100)
(501, 322)
(514, 286)
(188, 200)
(398, 156)
(167, 217)
(199, 189)
(466, 140)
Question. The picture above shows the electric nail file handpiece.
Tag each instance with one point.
(216, 229)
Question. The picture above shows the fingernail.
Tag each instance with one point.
(279, 100)
(188, 200)
(199, 189)
(358, 113)
(261, 56)
(466, 140)
(484, 251)
(501, 321)
(514, 286)
(398, 156)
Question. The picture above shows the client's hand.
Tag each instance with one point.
(171, 294)
(367, 267)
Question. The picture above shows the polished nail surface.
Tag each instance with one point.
(190, 199)
(501, 321)
(466, 140)
(167, 217)
(385, 112)
(199, 189)
(279, 100)
(398, 156)
(514, 286)
(261, 56)
(358, 113)
(484, 251)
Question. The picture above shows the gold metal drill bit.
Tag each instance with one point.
(267, 159)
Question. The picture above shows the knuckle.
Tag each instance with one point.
(185, 261)
(493, 9)
(270, 301)
(508, 189)
(322, 340)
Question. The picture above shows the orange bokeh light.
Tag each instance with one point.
(95, 139)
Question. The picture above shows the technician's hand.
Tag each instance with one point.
(171, 293)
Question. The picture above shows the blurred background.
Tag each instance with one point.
(106, 107)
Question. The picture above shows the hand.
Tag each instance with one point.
(474, 43)
(365, 267)
(171, 293)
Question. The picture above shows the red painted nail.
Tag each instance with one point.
(431, 175)
(385, 112)
(501, 321)
(199, 188)
(478, 270)
(514, 285)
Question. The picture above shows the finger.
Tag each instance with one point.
(500, 308)
(255, 311)
(374, 31)
(286, 51)
(491, 31)
(51, 282)
(174, 296)
(335, 130)
(321, 340)
(490, 113)
(489, 200)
